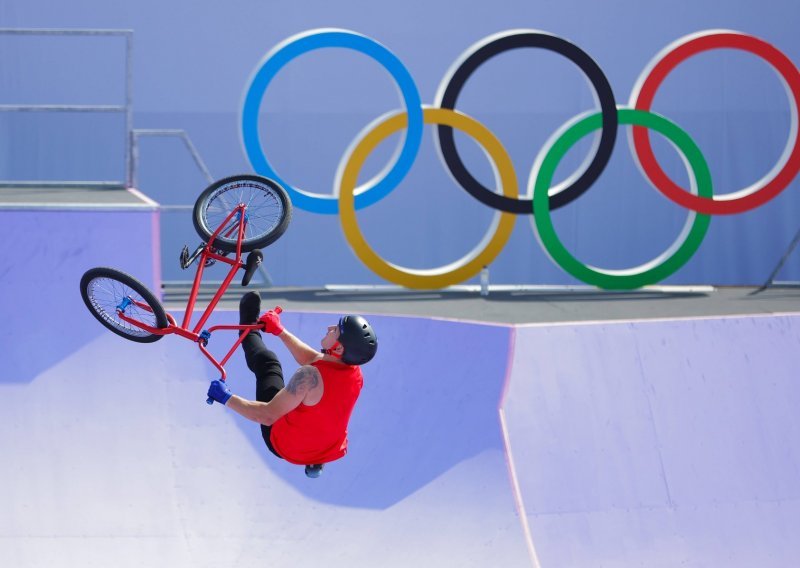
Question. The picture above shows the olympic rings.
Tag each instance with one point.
(651, 78)
(460, 270)
(649, 273)
(476, 56)
(302, 43)
(701, 200)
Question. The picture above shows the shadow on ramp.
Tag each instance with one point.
(429, 402)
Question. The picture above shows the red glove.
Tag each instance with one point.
(272, 321)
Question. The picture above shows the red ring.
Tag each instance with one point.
(644, 100)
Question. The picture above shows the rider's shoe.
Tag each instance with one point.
(249, 308)
(314, 471)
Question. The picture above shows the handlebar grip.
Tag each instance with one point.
(209, 401)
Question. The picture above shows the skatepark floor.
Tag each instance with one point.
(516, 305)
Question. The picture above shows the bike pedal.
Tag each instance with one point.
(184, 257)
(254, 260)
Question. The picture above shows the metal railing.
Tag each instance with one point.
(126, 108)
(134, 161)
(132, 136)
(136, 134)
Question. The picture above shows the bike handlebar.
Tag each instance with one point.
(277, 310)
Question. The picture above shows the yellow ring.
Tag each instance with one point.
(453, 273)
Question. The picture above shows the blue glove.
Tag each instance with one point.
(219, 392)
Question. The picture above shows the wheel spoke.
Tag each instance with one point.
(106, 294)
(263, 208)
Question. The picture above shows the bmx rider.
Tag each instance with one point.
(304, 421)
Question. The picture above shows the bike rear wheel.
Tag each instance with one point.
(267, 216)
(105, 291)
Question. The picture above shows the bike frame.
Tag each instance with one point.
(197, 334)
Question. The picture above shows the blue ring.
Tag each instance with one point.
(274, 62)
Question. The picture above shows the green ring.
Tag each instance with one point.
(645, 274)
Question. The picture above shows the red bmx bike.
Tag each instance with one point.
(235, 215)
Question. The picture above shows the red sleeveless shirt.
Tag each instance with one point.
(318, 434)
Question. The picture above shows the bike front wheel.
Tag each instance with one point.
(267, 214)
(107, 292)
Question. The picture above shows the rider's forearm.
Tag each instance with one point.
(302, 353)
(252, 410)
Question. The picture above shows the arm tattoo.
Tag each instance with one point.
(304, 379)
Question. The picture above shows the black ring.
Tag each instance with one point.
(607, 106)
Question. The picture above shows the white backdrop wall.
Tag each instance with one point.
(192, 64)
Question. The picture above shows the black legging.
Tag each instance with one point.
(269, 375)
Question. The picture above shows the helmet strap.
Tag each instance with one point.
(332, 351)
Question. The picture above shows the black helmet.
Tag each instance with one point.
(358, 339)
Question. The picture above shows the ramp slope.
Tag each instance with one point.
(661, 443)
(114, 455)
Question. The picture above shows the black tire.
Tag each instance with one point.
(269, 211)
(103, 289)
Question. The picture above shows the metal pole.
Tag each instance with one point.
(62, 108)
(134, 170)
(63, 31)
(129, 109)
(782, 261)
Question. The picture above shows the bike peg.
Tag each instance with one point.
(203, 338)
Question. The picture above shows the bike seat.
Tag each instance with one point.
(253, 261)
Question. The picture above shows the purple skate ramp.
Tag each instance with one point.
(41, 270)
(672, 443)
(116, 455)
(663, 443)
(651, 443)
